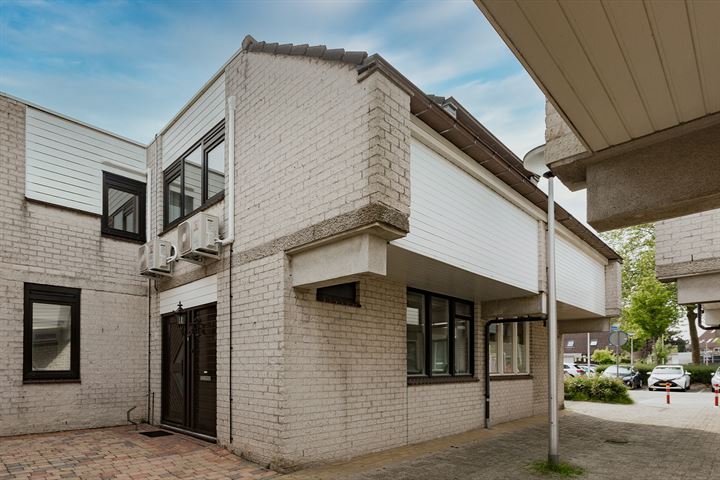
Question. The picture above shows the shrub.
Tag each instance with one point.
(596, 389)
(701, 373)
(603, 356)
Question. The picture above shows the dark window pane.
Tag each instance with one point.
(121, 208)
(344, 294)
(493, 347)
(462, 346)
(507, 347)
(50, 337)
(440, 318)
(521, 350)
(193, 180)
(216, 169)
(415, 321)
(463, 309)
(174, 199)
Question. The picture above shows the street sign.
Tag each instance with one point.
(614, 328)
(618, 338)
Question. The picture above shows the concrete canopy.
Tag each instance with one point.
(638, 85)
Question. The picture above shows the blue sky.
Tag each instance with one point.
(130, 66)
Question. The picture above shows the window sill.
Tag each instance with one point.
(523, 376)
(30, 381)
(443, 379)
(209, 203)
(122, 238)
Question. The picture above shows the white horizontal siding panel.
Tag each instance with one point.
(460, 221)
(580, 277)
(65, 161)
(191, 294)
(204, 114)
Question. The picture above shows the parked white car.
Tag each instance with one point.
(673, 376)
(715, 381)
(573, 370)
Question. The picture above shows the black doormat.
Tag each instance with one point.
(156, 433)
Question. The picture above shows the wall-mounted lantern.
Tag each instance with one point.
(180, 314)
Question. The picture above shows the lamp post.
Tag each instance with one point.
(534, 161)
(632, 352)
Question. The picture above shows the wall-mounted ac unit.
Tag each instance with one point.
(197, 238)
(153, 258)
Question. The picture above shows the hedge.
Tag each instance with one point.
(698, 373)
(596, 389)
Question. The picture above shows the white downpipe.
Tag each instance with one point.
(230, 197)
(148, 202)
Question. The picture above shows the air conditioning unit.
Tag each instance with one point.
(153, 258)
(197, 238)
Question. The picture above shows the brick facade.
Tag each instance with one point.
(688, 245)
(318, 154)
(54, 246)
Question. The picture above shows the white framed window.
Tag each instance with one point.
(593, 342)
(509, 348)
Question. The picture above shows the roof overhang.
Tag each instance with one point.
(631, 80)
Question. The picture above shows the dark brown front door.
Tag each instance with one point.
(189, 370)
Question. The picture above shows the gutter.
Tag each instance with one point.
(497, 321)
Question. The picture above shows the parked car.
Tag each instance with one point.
(590, 371)
(573, 370)
(673, 376)
(715, 381)
(629, 375)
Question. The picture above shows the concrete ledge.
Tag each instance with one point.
(672, 271)
(584, 325)
(698, 289)
(534, 305)
(339, 261)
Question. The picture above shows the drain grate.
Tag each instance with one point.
(156, 433)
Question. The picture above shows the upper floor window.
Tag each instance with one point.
(509, 348)
(123, 207)
(196, 179)
(51, 349)
(439, 335)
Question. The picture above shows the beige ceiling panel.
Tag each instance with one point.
(705, 23)
(597, 38)
(521, 37)
(635, 37)
(670, 23)
(551, 25)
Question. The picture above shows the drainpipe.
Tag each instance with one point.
(497, 321)
(228, 240)
(230, 230)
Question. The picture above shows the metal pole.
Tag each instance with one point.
(553, 456)
(632, 353)
(588, 354)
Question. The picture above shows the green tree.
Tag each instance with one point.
(661, 352)
(649, 307)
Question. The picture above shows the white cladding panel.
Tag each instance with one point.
(191, 294)
(580, 277)
(65, 161)
(207, 111)
(456, 219)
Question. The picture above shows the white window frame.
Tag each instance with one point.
(500, 353)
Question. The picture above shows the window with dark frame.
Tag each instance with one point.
(196, 179)
(440, 338)
(123, 207)
(51, 336)
(343, 294)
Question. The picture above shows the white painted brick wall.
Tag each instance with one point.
(49, 245)
(691, 240)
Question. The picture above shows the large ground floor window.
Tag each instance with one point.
(439, 335)
(509, 348)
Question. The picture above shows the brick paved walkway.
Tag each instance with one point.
(641, 441)
(119, 453)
